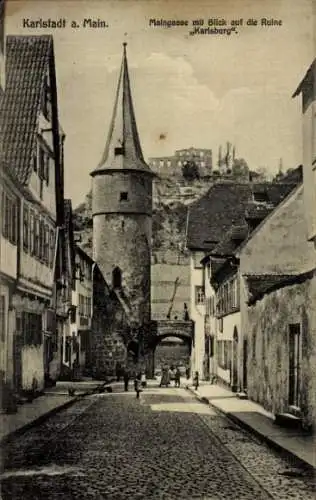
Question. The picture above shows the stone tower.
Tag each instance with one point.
(122, 209)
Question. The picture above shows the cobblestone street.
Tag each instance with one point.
(166, 445)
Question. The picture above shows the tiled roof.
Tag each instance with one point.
(123, 132)
(226, 205)
(213, 214)
(27, 59)
(258, 211)
(231, 240)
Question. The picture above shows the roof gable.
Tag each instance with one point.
(27, 61)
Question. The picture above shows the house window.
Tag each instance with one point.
(73, 314)
(2, 318)
(9, 218)
(36, 236)
(199, 295)
(220, 325)
(41, 239)
(46, 244)
(47, 100)
(43, 166)
(211, 347)
(197, 257)
(90, 307)
(46, 168)
(51, 247)
(35, 163)
(26, 229)
(124, 196)
(212, 312)
(32, 233)
(235, 294)
(14, 223)
(207, 305)
(88, 272)
(32, 328)
(81, 305)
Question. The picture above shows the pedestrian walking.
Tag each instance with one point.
(172, 373)
(196, 380)
(126, 380)
(118, 371)
(177, 377)
(187, 373)
(143, 379)
(137, 385)
(165, 377)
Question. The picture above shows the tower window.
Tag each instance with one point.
(119, 151)
(124, 196)
(116, 278)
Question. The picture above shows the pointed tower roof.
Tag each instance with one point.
(123, 150)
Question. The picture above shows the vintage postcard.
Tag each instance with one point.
(157, 249)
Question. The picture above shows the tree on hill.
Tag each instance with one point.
(240, 167)
(190, 171)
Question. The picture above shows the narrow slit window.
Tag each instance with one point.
(124, 196)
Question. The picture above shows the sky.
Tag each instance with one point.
(200, 90)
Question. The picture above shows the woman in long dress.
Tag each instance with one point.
(165, 379)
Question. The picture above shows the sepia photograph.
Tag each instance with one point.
(157, 249)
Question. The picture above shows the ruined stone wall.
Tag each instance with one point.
(266, 326)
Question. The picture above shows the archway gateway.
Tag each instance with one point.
(160, 330)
